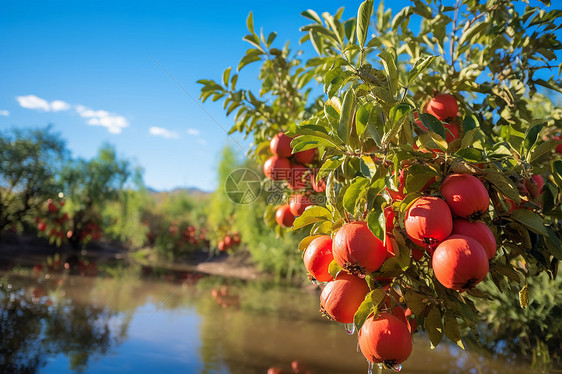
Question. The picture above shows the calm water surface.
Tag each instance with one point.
(181, 323)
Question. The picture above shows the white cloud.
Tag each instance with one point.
(34, 102)
(58, 105)
(194, 132)
(202, 141)
(160, 131)
(4, 113)
(113, 122)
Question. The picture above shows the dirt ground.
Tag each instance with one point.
(27, 250)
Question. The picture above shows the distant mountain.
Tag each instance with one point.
(192, 191)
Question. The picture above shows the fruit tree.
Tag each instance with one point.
(434, 144)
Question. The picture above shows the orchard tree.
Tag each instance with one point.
(89, 185)
(436, 152)
(29, 163)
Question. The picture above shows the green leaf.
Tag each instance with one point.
(415, 301)
(452, 330)
(388, 57)
(422, 9)
(557, 172)
(252, 55)
(250, 23)
(553, 244)
(310, 14)
(531, 137)
(504, 185)
(311, 215)
(524, 296)
(363, 312)
(530, 220)
(334, 269)
(375, 222)
(328, 166)
(543, 149)
(470, 154)
(270, 38)
(226, 76)
(362, 118)
(363, 19)
(400, 17)
(434, 326)
(469, 122)
(420, 65)
(356, 189)
(306, 241)
(346, 117)
(431, 123)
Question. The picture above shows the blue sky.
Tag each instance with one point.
(87, 68)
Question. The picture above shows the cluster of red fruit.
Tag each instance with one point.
(297, 367)
(286, 166)
(91, 231)
(383, 338)
(229, 241)
(54, 219)
(183, 235)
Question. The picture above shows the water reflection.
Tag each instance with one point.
(146, 320)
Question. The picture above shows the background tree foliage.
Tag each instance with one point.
(378, 71)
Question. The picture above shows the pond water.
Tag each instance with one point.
(142, 321)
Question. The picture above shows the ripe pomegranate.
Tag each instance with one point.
(460, 262)
(284, 217)
(298, 203)
(443, 106)
(280, 145)
(317, 258)
(479, 231)
(297, 176)
(357, 250)
(275, 370)
(341, 297)
(389, 218)
(306, 157)
(221, 246)
(465, 195)
(41, 226)
(319, 186)
(236, 238)
(534, 189)
(385, 339)
(277, 168)
(428, 221)
(227, 241)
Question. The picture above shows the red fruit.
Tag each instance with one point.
(417, 254)
(280, 145)
(317, 258)
(274, 370)
(389, 218)
(460, 262)
(465, 195)
(319, 186)
(235, 238)
(227, 241)
(221, 246)
(428, 221)
(277, 168)
(391, 246)
(443, 106)
(298, 203)
(539, 181)
(558, 148)
(306, 157)
(479, 231)
(284, 217)
(52, 207)
(41, 226)
(297, 176)
(341, 297)
(385, 339)
(357, 250)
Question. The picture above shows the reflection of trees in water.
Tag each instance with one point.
(20, 333)
(32, 328)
